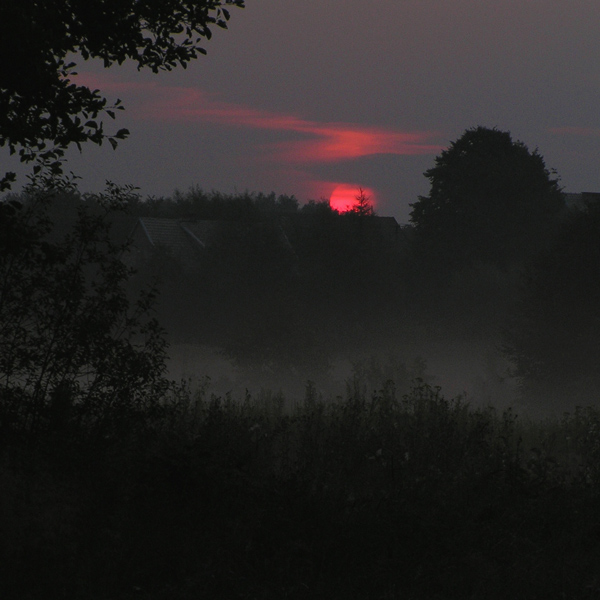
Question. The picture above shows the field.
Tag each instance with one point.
(366, 496)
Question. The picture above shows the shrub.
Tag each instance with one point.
(73, 347)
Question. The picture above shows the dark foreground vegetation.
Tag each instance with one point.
(116, 483)
(370, 496)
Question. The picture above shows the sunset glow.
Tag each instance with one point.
(319, 141)
(304, 110)
(343, 197)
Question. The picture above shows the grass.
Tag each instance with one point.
(367, 497)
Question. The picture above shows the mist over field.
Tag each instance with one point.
(259, 293)
(212, 395)
(477, 372)
(218, 396)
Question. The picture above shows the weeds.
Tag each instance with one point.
(367, 496)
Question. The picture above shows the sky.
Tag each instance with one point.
(305, 97)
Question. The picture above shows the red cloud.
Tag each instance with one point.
(322, 142)
(326, 141)
(339, 141)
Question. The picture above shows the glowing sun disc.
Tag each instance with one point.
(343, 197)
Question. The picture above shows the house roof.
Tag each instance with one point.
(581, 200)
(177, 234)
(185, 240)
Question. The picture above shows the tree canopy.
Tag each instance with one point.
(363, 206)
(553, 335)
(42, 111)
(73, 346)
(491, 199)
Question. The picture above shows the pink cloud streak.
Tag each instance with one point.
(326, 141)
(322, 142)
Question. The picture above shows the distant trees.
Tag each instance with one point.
(197, 203)
(279, 284)
(502, 258)
(41, 111)
(492, 200)
(553, 336)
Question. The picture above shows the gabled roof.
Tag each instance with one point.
(581, 200)
(164, 232)
(184, 240)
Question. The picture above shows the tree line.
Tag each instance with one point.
(492, 253)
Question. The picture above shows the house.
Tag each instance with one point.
(184, 240)
(582, 200)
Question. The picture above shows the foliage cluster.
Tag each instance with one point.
(276, 284)
(494, 235)
(197, 203)
(216, 206)
(371, 496)
(42, 112)
(74, 347)
(491, 200)
(553, 335)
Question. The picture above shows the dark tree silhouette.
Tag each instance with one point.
(73, 348)
(553, 337)
(363, 206)
(491, 200)
(41, 111)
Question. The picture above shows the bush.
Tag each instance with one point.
(73, 347)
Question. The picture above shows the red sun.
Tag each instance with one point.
(343, 197)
